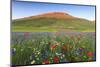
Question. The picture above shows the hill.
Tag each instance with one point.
(52, 22)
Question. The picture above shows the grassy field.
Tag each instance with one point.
(47, 29)
(57, 48)
(52, 25)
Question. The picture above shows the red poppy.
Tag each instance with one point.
(56, 59)
(90, 54)
(57, 33)
(81, 48)
(79, 37)
(64, 47)
(72, 37)
(46, 62)
(53, 46)
(26, 34)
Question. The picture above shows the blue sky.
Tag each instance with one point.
(25, 9)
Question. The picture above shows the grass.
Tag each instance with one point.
(48, 50)
(46, 29)
(32, 29)
(52, 25)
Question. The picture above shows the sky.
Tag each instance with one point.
(24, 9)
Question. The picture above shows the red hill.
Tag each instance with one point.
(56, 15)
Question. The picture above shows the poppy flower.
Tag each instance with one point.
(90, 54)
(26, 34)
(56, 59)
(81, 48)
(53, 46)
(46, 62)
(57, 33)
(79, 37)
(64, 47)
(72, 37)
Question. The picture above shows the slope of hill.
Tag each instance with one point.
(52, 22)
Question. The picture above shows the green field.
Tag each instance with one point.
(52, 25)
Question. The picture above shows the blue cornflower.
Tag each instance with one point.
(44, 55)
(13, 51)
(32, 56)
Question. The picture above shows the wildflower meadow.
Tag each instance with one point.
(49, 48)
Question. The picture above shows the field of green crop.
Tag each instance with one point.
(29, 49)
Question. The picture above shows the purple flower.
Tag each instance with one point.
(13, 52)
(32, 56)
(45, 55)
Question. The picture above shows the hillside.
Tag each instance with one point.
(52, 22)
